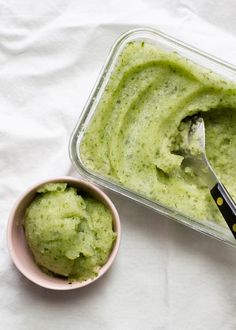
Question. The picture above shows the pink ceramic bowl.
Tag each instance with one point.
(20, 253)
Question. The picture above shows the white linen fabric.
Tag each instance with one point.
(166, 276)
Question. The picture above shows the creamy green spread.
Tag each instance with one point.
(135, 132)
(69, 234)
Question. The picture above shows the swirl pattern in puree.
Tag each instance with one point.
(134, 135)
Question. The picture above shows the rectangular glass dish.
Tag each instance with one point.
(165, 43)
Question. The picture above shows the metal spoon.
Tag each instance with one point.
(195, 157)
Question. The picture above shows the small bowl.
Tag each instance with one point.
(20, 252)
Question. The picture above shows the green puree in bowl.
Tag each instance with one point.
(69, 234)
(135, 133)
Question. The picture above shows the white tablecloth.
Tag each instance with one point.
(166, 276)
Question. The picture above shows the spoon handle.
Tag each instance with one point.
(226, 205)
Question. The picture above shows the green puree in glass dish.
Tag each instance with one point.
(135, 131)
(69, 234)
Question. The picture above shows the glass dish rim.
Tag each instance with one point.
(201, 227)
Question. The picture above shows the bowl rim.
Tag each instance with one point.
(84, 184)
